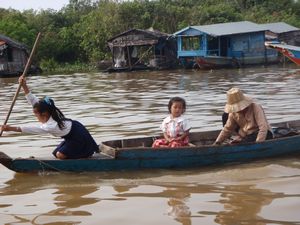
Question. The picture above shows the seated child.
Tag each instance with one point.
(175, 127)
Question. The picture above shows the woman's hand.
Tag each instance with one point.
(10, 128)
(236, 140)
(4, 128)
(217, 143)
(22, 82)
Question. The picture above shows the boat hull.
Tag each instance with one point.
(132, 157)
(214, 62)
(290, 51)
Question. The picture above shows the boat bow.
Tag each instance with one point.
(5, 160)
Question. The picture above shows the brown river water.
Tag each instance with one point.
(127, 105)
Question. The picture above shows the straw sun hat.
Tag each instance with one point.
(236, 101)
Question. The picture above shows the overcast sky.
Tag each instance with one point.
(33, 4)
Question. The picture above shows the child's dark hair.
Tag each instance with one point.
(47, 105)
(176, 99)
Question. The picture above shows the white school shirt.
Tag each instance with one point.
(175, 126)
(50, 127)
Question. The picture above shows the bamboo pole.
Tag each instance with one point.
(23, 74)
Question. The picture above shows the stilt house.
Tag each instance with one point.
(13, 56)
(223, 45)
(283, 32)
(138, 49)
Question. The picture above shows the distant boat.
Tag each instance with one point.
(290, 51)
(137, 153)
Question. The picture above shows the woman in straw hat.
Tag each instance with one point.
(247, 116)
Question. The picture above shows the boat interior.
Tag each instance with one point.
(282, 129)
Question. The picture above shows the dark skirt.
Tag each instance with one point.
(78, 143)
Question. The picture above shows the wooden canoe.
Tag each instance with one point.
(290, 51)
(132, 154)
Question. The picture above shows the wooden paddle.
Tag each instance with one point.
(24, 74)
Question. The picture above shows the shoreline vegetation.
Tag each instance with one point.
(52, 67)
(74, 39)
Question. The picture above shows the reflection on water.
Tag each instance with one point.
(152, 197)
(39, 199)
(122, 105)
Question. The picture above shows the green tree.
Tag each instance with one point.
(14, 25)
(78, 33)
(96, 28)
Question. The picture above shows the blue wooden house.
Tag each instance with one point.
(223, 45)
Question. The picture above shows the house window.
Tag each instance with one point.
(191, 43)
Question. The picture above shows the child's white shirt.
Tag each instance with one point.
(175, 126)
(50, 127)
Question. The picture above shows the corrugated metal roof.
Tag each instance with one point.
(279, 27)
(221, 29)
(283, 46)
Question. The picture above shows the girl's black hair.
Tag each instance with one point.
(176, 99)
(47, 105)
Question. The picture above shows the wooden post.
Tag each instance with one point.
(129, 58)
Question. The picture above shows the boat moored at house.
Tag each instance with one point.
(232, 44)
(289, 51)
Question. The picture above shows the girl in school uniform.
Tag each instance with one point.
(77, 143)
(175, 127)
